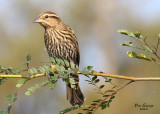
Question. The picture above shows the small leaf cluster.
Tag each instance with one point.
(143, 46)
(73, 108)
(21, 82)
(8, 70)
(66, 70)
(11, 71)
(2, 80)
(142, 56)
(10, 100)
(37, 86)
(136, 35)
(28, 60)
(101, 90)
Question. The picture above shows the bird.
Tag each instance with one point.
(62, 43)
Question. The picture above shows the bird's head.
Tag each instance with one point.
(48, 19)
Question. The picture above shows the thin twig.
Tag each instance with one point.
(18, 90)
(144, 42)
(99, 89)
(154, 52)
(157, 44)
(109, 96)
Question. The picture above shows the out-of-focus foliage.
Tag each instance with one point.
(144, 46)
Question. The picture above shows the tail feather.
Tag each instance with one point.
(74, 96)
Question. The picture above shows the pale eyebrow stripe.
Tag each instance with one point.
(49, 15)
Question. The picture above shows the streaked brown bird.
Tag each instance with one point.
(61, 42)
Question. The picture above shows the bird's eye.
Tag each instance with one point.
(46, 16)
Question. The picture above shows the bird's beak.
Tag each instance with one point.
(38, 20)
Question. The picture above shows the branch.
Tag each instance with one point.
(21, 76)
(154, 52)
(108, 96)
(93, 74)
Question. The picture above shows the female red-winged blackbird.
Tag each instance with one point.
(61, 42)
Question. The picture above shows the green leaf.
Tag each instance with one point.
(131, 34)
(42, 70)
(153, 59)
(62, 62)
(84, 109)
(108, 91)
(66, 63)
(2, 80)
(64, 76)
(131, 54)
(55, 77)
(72, 64)
(28, 58)
(14, 99)
(94, 77)
(89, 67)
(69, 109)
(88, 80)
(107, 104)
(51, 85)
(143, 46)
(73, 108)
(101, 86)
(33, 71)
(114, 87)
(104, 102)
(98, 100)
(112, 97)
(107, 79)
(142, 56)
(53, 60)
(37, 86)
(76, 69)
(11, 98)
(58, 61)
(58, 67)
(138, 35)
(62, 68)
(28, 93)
(72, 80)
(127, 43)
(85, 72)
(148, 49)
(103, 106)
(96, 81)
(106, 95)
(92, 71)
(21, 82)
(46, 68)
(125, 32)
(93, 104)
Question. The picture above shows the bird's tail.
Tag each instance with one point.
(74, 96)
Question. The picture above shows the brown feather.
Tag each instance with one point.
(61, 42)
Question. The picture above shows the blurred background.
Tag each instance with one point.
(95, 24)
